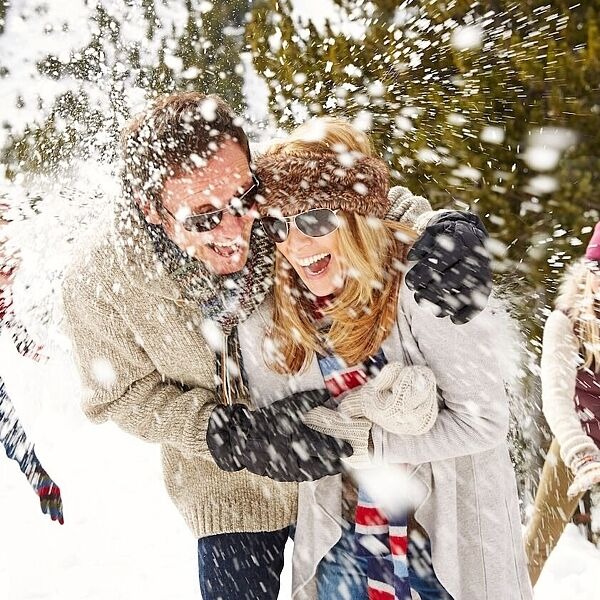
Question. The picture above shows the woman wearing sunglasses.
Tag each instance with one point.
(342, 309)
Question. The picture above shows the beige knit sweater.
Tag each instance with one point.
(145, 366)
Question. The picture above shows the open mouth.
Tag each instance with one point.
(225, 249)
(315, 265)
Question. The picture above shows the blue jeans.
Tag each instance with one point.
(241, 566)
(343, 574)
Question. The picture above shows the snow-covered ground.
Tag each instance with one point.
(572, 571)
(122, 538)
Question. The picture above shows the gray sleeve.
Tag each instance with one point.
(474, 415)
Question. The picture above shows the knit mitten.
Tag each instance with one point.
(587, 473)
(48, 493)
(410, 210)
(401, 400)
(353, 430)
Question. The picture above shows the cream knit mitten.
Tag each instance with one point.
(587, 474)
(355, 431)
(401, 400)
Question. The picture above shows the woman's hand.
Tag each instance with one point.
(401, 400)
(49, 494)
(587, 474)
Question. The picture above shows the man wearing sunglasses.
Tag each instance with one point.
(208, 212)
(154, 307)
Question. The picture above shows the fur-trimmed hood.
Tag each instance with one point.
(293, 184)
(572, 285)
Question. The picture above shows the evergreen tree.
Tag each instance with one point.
(472, 103)
(136, 48)
(492, 106)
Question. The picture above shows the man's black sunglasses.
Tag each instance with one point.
(238, 206)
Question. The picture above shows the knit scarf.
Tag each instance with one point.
(225, 299)
(381, 539)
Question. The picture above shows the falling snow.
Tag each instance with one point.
(466, 109)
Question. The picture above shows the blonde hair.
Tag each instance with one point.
(372, 253)
(577, 299)
(326, 135)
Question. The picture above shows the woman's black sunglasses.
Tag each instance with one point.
(313, 223)
(238, 206)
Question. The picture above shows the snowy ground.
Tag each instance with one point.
(572, 571)
(122, 538)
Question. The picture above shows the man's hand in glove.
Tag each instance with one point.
(273, 441)
(49, 494)
(453, 267)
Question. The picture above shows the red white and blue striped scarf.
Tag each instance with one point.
(381, 539)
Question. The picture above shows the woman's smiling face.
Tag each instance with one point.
(315, 259)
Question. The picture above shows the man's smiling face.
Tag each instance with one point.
(209, 188)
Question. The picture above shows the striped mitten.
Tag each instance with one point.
(587, 474)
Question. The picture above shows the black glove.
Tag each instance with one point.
(273, 441)
(453, 268)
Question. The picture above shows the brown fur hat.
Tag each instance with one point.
(291, 184)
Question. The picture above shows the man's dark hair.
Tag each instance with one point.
(176, 135)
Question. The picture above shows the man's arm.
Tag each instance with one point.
(122, 384)
(20, 449)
